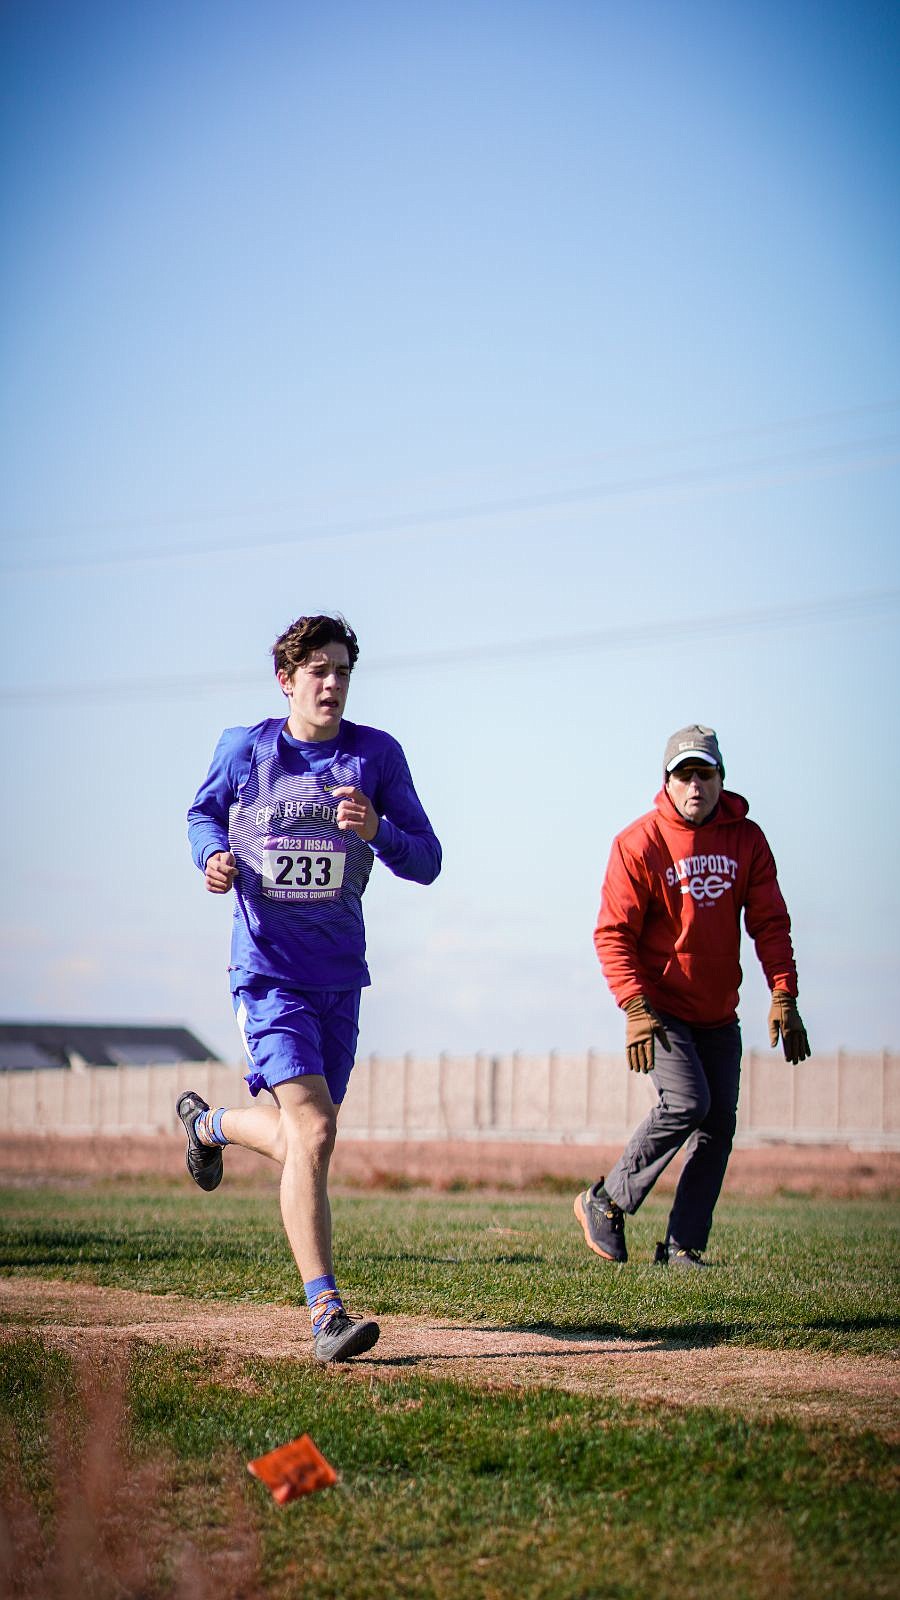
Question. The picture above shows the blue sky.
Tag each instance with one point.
(557, 346)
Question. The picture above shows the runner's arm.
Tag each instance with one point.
(208, 816)
(405, 840)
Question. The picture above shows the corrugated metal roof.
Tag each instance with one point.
(27, 1046)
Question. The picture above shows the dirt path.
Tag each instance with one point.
(857, 1392)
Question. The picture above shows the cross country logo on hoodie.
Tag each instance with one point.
(704, 878)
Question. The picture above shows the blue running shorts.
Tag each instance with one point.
(295, 1033)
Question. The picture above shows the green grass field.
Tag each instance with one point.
(450, 1489)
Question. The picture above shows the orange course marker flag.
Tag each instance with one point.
(293, 1470)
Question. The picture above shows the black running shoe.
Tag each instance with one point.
(602, 1222)
(678, 1255)
(204, 1161)
(343, 1336)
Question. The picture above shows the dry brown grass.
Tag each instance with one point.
(106, 1526)
(836, 1170)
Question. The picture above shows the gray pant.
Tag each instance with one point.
(697, 1082)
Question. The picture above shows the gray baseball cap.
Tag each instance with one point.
(695, 743)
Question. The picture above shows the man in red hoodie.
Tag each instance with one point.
(668, 938)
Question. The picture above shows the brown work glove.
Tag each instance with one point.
(641, 1025)
(784, 1018)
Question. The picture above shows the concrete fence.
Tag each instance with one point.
(849, 1097)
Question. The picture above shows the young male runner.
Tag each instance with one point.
(668, 937)
(291, 816)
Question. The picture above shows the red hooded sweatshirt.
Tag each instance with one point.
(669, 923)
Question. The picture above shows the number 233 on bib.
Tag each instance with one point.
(303, 867)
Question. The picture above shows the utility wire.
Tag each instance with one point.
(759, 430)
(860, 454)
(598, 641)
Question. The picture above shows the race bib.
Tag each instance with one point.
(303, 866)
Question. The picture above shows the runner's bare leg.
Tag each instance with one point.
(300, 1134)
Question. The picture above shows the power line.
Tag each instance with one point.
(854, 456)
(600, 641)
(688, 441)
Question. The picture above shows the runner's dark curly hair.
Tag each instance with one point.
(308, 634)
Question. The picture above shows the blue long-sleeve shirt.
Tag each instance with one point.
(267, 798)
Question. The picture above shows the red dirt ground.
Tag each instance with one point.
(441, 1164)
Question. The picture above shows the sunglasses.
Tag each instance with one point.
(685, 774)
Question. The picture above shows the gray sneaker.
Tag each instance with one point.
(204, 1161)
(343, 1336)
(672, 1254)
(602, 1222)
